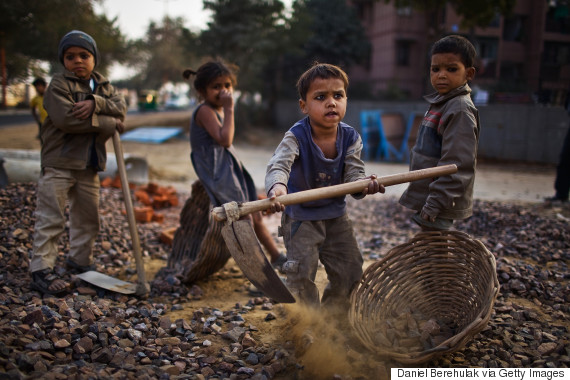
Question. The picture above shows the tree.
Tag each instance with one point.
(272, 50)
(30, 31)
(163, 54)
(334, 33)
(246, 33)
(325, 31)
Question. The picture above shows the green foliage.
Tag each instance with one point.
(247, 33)
(30, 31)
(335, 34)
(163, 54)
(324, 31)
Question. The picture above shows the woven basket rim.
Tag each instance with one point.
(388, 264)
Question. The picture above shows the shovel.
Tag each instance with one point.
(245, 248)
(110, 283)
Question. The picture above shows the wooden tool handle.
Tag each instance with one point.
(142, 285)
(219, 213)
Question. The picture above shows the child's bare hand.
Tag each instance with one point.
(226, 98)
(373, 187)
(425, 216)
(275, 192)
(119, 126)
(84, 109)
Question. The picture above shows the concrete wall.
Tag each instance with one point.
(519, 132)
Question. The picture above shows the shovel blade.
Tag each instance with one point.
(248, 254)
(107, 282)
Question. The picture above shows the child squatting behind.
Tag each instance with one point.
(449, 134)
(213, 155)
(84, 111)
(319, 150)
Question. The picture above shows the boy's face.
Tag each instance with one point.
(80, 61)
(326, 103)
(40, 89)
(447, 72)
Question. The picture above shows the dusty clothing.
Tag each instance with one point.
(224, 177)
(73, 150)
(318, 230)
(71, 143)
(300, 164)
(449, 134)
(332, 242)
(55, 186)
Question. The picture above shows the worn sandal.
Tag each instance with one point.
(74, 267)
(42, 280)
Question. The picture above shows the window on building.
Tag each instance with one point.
(487, 51)
(496, 21)
(554, 56)
(558, 17)
(403, 49)
(511, 71)
(365, 11)
(513, 28)
(404, 11)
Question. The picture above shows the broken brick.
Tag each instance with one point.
(143, 214)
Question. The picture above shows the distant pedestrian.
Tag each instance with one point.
(213, 155)
(562, 181)
(449, 134)
(37, 103)
(84, 111)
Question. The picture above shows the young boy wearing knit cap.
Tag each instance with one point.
(84, 111)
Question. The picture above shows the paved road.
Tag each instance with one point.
(22, 116)
(8, 119)
(501, 182)
(506, 182)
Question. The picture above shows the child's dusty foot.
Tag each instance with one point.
(47, 282)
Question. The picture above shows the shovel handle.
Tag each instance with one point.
(142, 286)
(219, 213)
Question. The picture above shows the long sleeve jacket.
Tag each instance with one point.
(299, 164)
(71, 143)
(449, 134)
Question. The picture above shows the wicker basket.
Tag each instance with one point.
(443, 279)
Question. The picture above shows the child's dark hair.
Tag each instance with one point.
(322, 71)
(39, 81)
(210, 71)
(457, 45)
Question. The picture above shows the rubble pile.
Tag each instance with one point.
(95, 334)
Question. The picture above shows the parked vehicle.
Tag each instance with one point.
(147, 100)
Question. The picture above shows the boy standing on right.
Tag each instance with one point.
(449, 134)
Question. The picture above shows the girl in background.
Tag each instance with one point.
(213, 156)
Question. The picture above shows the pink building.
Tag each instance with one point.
(522, 55)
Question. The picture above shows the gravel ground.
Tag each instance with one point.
(216, 329)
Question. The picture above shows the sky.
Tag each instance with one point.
(134, 16)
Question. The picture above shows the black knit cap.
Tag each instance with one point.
(78, 38)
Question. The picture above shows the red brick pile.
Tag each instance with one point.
(152, 197)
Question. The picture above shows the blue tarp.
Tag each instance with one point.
(151, 135)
